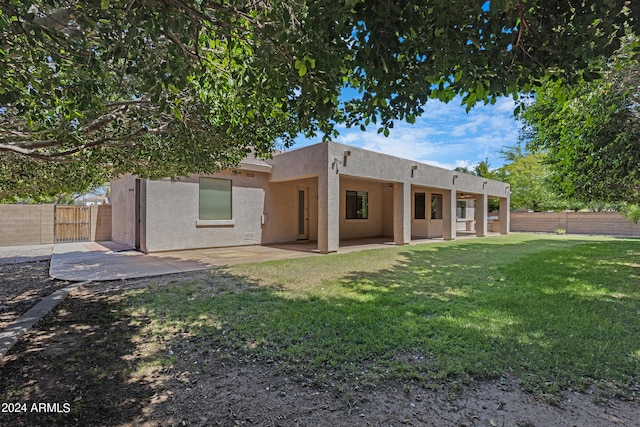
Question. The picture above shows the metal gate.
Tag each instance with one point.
(72, 224)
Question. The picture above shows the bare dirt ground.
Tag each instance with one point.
(86, 365)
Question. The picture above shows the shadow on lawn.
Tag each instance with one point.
(554, 313)
(80, 360)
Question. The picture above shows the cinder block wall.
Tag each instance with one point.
(26, 224)
(541, 222)
(100, 222)
(34, 224)
(607, 223)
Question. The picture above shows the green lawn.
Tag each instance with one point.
(555, 311)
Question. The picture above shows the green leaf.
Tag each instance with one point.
(104, 4)
(177, 114)
(301, 66)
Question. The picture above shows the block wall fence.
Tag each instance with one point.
(34, 224)
(607, 223)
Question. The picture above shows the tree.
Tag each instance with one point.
(590, 134)
(90, 90)
(528, 175)
(483, 169)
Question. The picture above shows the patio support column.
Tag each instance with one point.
(401, 213)
(481, 215)
(328, 211)
(449, 214)
(505, 215)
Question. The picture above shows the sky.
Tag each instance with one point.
(445, 135)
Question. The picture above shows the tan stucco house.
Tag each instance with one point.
(322, 193)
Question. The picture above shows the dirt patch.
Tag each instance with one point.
(92, 367)
(23, 285)
(212, 388)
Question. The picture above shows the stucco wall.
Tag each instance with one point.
(100, 222)
(368, 164)
(123, 196)
(172, 210)
(300, 163)
(26, 224)
(281, 209)
(387, 211)
(425, 228)
(373, 226)
(607, 223)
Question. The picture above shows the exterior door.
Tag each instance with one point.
(137, 214)
(303, 213)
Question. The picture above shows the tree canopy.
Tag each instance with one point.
(590, 132)
(91, 90)
(528, 175)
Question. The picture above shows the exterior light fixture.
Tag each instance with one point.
(335, 163)
(413, 168)
(346, 154)
(455, 175)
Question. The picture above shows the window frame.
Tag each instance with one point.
(436, 206)
(362, 196)
(211, 218)
(423, 206)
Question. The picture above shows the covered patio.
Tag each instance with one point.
(336, 194)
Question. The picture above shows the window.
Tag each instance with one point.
(436, 206)
(461, 209)
(357, 205)
(419, 206)
(215, 199)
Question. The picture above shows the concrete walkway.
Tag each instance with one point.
(102, 261)
(16, 329)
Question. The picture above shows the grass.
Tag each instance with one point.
(555, 311)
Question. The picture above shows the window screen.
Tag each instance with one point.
(215, 198)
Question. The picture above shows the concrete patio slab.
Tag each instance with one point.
(103, 261)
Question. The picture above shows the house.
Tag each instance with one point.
(322, 193)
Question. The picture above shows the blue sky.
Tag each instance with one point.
(445, 135)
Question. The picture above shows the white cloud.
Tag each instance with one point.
(445, 135)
